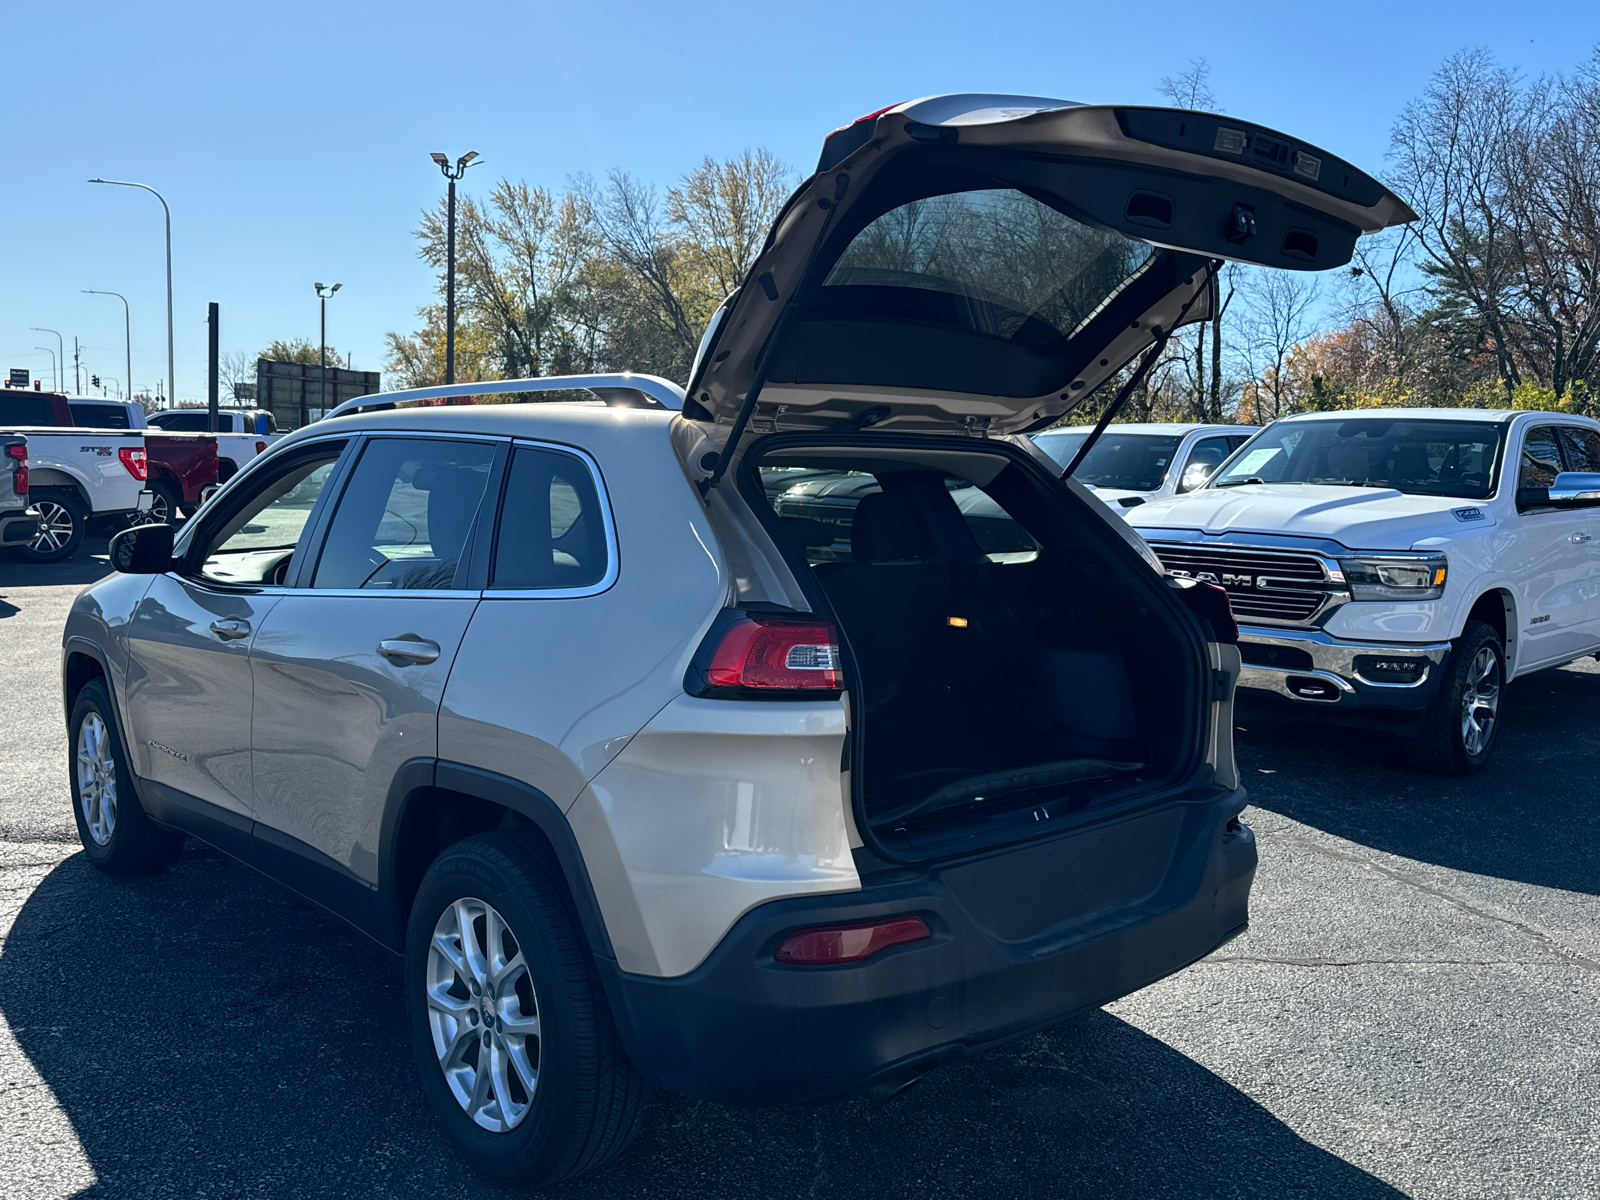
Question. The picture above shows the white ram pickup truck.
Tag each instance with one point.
(1395, 568)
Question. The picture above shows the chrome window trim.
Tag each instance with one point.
(613, 555)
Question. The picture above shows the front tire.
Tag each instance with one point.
(62, 518)
(1461, 725)
(516, 1046)
(116, 834)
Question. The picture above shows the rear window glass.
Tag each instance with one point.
(1007, 265)
(195, 422)
(818, 508)
(100, 416)
(26, 410)
(552, 529)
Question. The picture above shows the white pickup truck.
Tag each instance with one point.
(242, 435)
(74, 474)
(1395, 568)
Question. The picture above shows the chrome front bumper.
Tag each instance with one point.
(1321, 670)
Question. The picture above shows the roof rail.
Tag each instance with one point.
(623, 390)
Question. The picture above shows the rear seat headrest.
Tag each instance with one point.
(888, 528)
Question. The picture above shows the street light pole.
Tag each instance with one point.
(52, 355)
(127, 325)
(60, 358)
(452, 174)
(322, 352)
(171, 393)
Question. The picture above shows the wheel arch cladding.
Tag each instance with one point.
(433, 804)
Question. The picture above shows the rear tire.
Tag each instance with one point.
(116, 834)
(62, 517)
(560, 1096)
(1460, 727)
(163, 503)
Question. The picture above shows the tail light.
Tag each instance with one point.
(261, 447)
(767, 656)
(19, 474)
(831, 944)
(133, 458)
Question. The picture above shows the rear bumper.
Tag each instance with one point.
(1312, 670)
(17, 528)
(744, 1029)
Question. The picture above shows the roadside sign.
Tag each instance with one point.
(19, 377)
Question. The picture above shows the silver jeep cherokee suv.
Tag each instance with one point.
(651, 778)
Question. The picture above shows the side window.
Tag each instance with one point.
(188, 422)
(552, 530)
(1204, 459)
(1582, 448)
(1541, 458)
(404, 522)
(253, 545)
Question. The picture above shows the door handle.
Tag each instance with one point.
(410, 649)
(231, 629)
(1580, 538)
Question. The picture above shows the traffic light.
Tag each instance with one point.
(94, 381)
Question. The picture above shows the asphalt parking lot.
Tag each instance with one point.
(1413, 1013)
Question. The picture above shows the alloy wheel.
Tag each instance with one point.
(55, 527)
(97, 779)
(1480, 701)
(483, 1014)
(160, 511)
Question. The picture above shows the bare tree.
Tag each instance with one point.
(1190, 88)
(1281, 304)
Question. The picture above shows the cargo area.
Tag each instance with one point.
(1011, 664)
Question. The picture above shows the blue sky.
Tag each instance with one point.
(292, 139)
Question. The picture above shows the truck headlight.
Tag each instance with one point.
(1396, 576)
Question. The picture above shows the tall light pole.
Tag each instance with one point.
(322, 353)
(171, 392)
(452, 174)
(127, 325)
(52, 355)
(61, 358)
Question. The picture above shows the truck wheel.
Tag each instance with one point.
(518, 1053)
(62, 517)
(163, 503)
(116, 834)
(1459, 730)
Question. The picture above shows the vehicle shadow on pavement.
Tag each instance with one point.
(1529, 815)
(87, 566)
(207, 1033)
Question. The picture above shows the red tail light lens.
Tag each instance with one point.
(133, 458)
(261, 447)
(848, 943)
(19, 475)
(770, 654)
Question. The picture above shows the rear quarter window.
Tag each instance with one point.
(552, 529)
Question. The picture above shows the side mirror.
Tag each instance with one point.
(143, 550)
(1195, 474)
(1576, 489)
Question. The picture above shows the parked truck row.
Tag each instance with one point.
(95, 460)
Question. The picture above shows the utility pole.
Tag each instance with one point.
(171, 392)
(61, 359)
(452, 174)
(127, 328)
(213, 418)
(77, 385)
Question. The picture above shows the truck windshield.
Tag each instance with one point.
(1421, 457)
(1131, 462)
